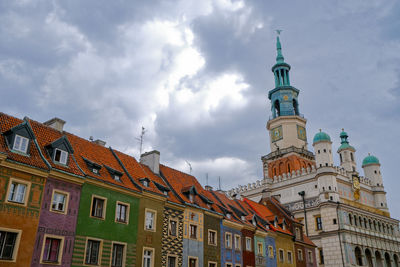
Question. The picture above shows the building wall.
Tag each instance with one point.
(106, 229)
(249, 256)
(260, 259)
(193, 247)
(270, 241)
(150, 239)
(21, 218)
(311, 261)
(56, 223)
(212, 252)
(284, 242)
(230, 255)
(172, 245)
(300, 262)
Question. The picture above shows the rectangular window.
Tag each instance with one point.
(17, 192)
(121, 213)
(259, 248)
(270, 251)
(300, 254)
(298, 234)
(192, 262)
(117, 255)
(321, 256)
(318, 222)
(228, 240)
(7, 245)
(281, 255)
(51, 250)
(212, 237)
(289, 257)
(237, 242)
(228, 265)
(92, 252)
(171, 261)
(148, 258)
(212, 264)
(98, 207)
(193, 231)
(59, 201)
(172, 227)
(248, 243)
(150, 220)
(60, 156)
(20, 143)
(310, 257)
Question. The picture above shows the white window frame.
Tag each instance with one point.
(212, 262)
(151, 257)
(271, 252)
(196, 231)
(172, 256)
(310, 257)
(300, 254)
(195, 258)
(212, 232)
(26, 192)
(104, 207)
(123, 252)
(153, 225)
(258, 248)
(16, 244)
(65, 204)
(238, 245)
(169, 227)
(228, 240)
(60, 249)
(65, 153)
(281, 259)
(248, 243)
(19, 147)
(290, 259)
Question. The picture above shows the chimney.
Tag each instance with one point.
(152, 160)
(55, 123)
(266, 193)
(208, 187)
(99, 142)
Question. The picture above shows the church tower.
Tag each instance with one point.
(287, 127)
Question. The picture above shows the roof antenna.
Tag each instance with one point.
(190, 166)
(219, 183)
(140, 139)
(207, 178)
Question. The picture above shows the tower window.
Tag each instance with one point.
(324, 150)
(341, 159)
(319, 151)
(277, 108)
(351, 156)
(326, 164)
(375, 172)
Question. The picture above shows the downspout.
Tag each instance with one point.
(302, 194)
(340, 240)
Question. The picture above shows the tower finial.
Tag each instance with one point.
(279, 57)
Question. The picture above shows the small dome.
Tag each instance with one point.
(321, 136)
(370, 159)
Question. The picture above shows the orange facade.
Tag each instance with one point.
(288, 165)
(20, 217)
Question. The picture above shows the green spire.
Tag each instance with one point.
(279, 57)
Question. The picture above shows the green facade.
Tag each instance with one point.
(212, 252)
(107, 230)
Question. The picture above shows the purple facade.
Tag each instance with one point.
(56, 232)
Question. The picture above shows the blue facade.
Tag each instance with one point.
(192, 248)
(270, 241)
(230, 255)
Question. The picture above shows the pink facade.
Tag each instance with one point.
(55, 238)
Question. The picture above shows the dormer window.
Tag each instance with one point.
(60, 156)
(20, 143)
(254, 223)
(165, 193)
(96, 171)
(145, 182)
(116, 175)
(92, 166)
(242, 218)
(191, 198)
(117, 178)
(228, 216)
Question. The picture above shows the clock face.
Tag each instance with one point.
(276, 134)
(301, 133)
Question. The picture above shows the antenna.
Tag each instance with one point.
(207, 178)
(140, 139)
(190, 166)
(219, 183)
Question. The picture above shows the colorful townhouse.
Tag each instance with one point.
(60, 201)
(22, 180)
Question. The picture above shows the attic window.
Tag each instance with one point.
(145, 182)
(117, 178)
(228, 215)
(243, 218)
(20, 143)
(191, 197)
(60, 156)
(254, 223)
(166, 193)
(96, 171)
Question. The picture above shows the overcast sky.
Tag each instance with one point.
(196, 75)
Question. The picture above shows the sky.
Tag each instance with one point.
(196, 75)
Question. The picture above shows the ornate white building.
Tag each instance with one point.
(344, 214)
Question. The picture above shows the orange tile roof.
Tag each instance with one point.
(34, 159)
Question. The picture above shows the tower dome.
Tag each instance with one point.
(321, 136)
(344, 142)
(370, 159)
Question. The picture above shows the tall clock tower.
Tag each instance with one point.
(286, 126)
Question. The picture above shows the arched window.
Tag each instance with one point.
(395, 260)
(365, 223)
(379, 227)
(360, 220)
(350, 219)
(341, 159)
(370, 224)
(288, 168)
(375, 225)
(355, 220)
(351, 156)
(368, 255)
(274, 171)
(387, 260)
(357, 253)
(277, 108)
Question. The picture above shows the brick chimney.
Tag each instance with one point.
(208, 187)
(152, 160)
(99, 142)
(55, 123)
